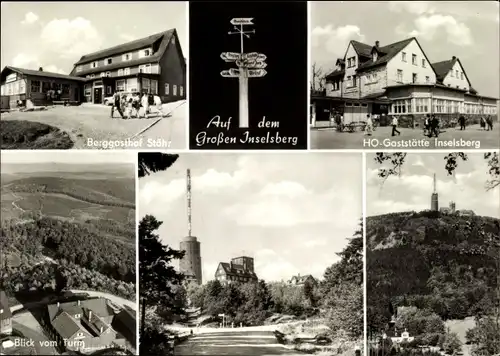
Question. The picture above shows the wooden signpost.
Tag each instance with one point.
(250, 65)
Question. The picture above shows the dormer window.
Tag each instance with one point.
(78, 316)
(127, 57)
(374, 56)
(79, 68)
(147, 52)
(108, 61)
(95, 64)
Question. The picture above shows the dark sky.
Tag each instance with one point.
(280, 96)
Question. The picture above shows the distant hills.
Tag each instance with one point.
(66, 169)
(443, 262)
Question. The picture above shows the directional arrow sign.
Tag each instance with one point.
(256, 73)
(234, 71)
(228, 74)
(259, 65)
(254, 55)
(246, 63)
(230, 56)
(242, 21)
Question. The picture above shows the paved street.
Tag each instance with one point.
(93, 121)
(331, 139)
(254, 343)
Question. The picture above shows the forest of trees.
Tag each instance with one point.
(446, 264)
(72, 242)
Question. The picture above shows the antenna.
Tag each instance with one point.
(434, 182)
(188, 195)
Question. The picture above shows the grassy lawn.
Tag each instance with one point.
(32, 135)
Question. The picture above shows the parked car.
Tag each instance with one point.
(109, 99)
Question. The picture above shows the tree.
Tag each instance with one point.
(451, 343)
(317, 78)
(151, 162)
(157, 276)
(484, 337)
(397, 160)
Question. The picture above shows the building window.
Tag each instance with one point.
(79, 68)
(92, 76)
(154, 87)
(349, 80)
(132, 84)
(427, 79)
(35, 86)
(414, 77)
(403, 56)
(109, 90)
(145, 53)
(354, 61)
(145, 68)
(414, 59)
(456, 72)
(108, 61)
(78, 316)
(95, 64)
(120, 85)
(174, 90)
(438, 106)
(181, 90)
(401, 106)
(65, 89)
(126, 71)
(146, 85)
(103, 74)
(421, 105)
(451, 74)
(167, 89)
(88, 90)
(400, 76)
(354, 82)
(126, 57)
(462, 75)
(45, 87)
(423, 63)
(120, 72)
(374, 77)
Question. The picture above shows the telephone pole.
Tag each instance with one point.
(250, 65)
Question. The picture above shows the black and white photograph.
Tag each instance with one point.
(242, 256)
(68, 252)
(248, 75)
(433, 253)
(404, 75)
(94, 75)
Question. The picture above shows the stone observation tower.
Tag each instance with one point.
(190, 264)
(434, 197)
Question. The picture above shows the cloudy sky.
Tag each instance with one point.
(55, 35)
(412, 191)
(465, 29)
(67, 157)
(291, 212)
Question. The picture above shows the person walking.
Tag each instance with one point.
(117, 105)
(461, 121)
(434, 126)
(427, 124)
(489, 123)
(394, 124)
(145, 104)
(369, 125)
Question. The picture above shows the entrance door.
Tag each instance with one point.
(97, 95)
(77, 94)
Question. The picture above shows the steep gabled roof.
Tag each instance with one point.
(232, 271)
(362, 49)
(165, 38)
(65, 325)
(41, 73)
(386, 53)
(125, 47)
(443, 68)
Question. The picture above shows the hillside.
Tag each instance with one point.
(430, 260)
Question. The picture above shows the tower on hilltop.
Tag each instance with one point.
(190, 264)
(434, 197)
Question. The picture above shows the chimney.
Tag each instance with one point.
(1, 311)
(377, 43)
(40, 69)
(58, 304)
(453, 57)
(78, 302)
(101, 329)
(90, 315)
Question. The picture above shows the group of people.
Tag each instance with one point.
(370, 126)
(431, 125)
(486, 123)
(134, 104)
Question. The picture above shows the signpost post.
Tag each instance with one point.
(250, 65)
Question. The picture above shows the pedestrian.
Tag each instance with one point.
(369, 125)
(461, 121)
(117, 105)
(394, 124)
(145, 104)
(427, 124)
(482, 123)
(489, 122)
(434, 126)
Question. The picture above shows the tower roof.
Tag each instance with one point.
(190, 239)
